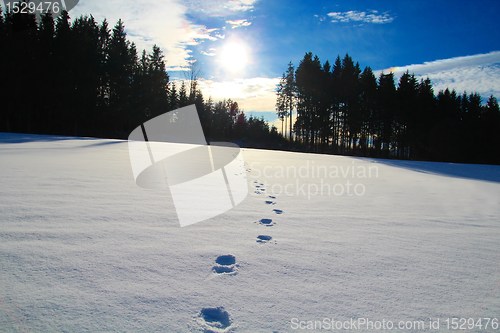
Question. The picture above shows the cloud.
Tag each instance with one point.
(238, 23)
(476, 73)
(219, 36)
(220, 8)
(149, 22)
(372, 16)
(321, 18)
(211, 52)
(252, 94)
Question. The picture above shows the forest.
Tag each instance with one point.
(82, 78)
(342, 109)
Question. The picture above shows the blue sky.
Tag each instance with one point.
(241, 47)
(406, 32)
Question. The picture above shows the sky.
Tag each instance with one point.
(240, 48)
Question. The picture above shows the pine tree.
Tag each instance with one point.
(405, 116)
(173, 97)
(424, 123)
(368, 100)
(85, 67)
(490, 146)
(183, 97)
(308, 99)
(158, 82)
(141, 91)
(334, 90)
(325, 106)
(446, 137)
(492, 105)
(385, 113)
(120, 66)
(23, 72)
(64, 83)
(350, 84)
(103, 86)
(289, 91)
(207, 122)
(281, 107)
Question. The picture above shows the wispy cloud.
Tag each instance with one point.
(211, 52)
(220, 8)
(477, 73)
(219, 36)
(252, 94)
(372, 16)
(165, 23)
(321, 18)
(239, 23)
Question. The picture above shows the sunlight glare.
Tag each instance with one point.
(234, 56)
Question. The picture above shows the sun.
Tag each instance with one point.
(234, 56)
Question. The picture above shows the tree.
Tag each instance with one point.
(489, 147)
(386, 98)
(349, 93)
(492, 105)
(85, 66)
(173, 97)
(47, 96)
(281, 107)
(103, 89)
(368, 104)
(122, 58)
(157, 79)
(21, 72)
(183, 96)
(334, 91)
(405, 116)
(427, 108)
(308, 99)
(289, 91)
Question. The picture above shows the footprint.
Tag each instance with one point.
(263, 238)
(266, 222)
(214, 320)
(278, 211)
(225, 264)
(270, 202)
(226, 260)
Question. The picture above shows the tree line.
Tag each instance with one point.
(82, 78)
(342, 109)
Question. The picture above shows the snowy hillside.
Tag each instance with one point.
(84, 249)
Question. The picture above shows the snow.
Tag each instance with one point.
(84, 249)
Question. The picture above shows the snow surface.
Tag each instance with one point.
(84, 249)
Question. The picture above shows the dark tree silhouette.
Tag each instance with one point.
(79, 78)
(342, 109)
